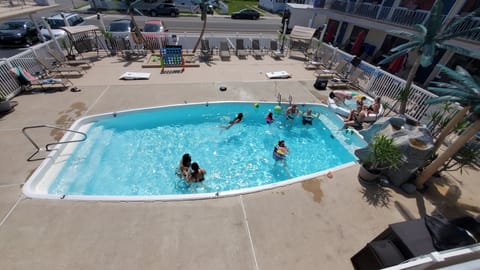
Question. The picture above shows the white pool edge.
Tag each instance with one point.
(29, 189)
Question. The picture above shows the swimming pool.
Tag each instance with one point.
(132, 155)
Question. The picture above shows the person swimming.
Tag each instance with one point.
(269, 118)
(237, 120)
(280, 151)
(183, 167)
(291, 112)
(308, 116)
(196, 174)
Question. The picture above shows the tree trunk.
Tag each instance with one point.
(449, 152)
(448, 128)
(201, 34)
(408, 84)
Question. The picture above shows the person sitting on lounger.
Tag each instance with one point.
(375, 107)
(356, 119)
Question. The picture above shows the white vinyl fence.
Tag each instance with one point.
(368, 78)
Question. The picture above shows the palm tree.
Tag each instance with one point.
(424, 43)
(203, 8)
(464, 89)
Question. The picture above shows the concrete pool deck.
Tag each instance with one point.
(316, 224)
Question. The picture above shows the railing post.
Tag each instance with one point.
(370, 81)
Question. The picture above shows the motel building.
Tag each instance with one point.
(346, 20)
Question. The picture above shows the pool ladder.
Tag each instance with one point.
(47, 146)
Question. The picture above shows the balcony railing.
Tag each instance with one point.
(399, 15)
(469, 24)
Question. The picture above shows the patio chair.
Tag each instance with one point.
(274, 51)
(241, 51)
(27, 81)
(257, 52)
(224, 51)
(206, 52)
(60, 58)
(58, 68)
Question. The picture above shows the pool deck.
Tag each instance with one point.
(317, 224)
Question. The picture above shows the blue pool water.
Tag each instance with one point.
(136, 153)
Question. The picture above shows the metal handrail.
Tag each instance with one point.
(47, 146)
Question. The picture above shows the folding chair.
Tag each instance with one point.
(27, 80)
(224, 51)
(241, 51)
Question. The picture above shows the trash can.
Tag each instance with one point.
(321, 84)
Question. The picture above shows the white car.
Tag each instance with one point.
(61, 20)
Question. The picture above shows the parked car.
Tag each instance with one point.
(154, 26)
(17, 32)
(57, 21)
(120, 28)
(165, 9)
(246, 14)
(193, 6)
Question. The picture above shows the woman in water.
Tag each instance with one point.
(308, 116)
(196, 174)
(237, 120)
(182, 169)
(280, 151)
(291, 112)
(269, 118)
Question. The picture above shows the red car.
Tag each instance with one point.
(154, 34)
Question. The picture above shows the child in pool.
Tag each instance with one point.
(269, 118)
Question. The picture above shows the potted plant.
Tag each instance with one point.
(382, 154)
(5, 105)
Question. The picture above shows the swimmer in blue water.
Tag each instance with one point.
(182, 170)
(291, 112)
(280, 151)
(196, 174)
(308, 116)
(237, 120)
(269, 118)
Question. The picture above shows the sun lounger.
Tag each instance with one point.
(274, 51)
(58, 67)
(256, 50)
(241, 52)
(60, 58)
(224, 51)
(278, 75)
(27, 81)
(206, 52)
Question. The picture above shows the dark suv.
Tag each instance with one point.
(18, 32)
(166, 9)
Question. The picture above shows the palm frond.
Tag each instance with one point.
(421, 28)
(405, 46)
(390, 58)
(462, 76)
(442, 99)
(404, 33)
(459, 50)
(451, 35)
(462, 20)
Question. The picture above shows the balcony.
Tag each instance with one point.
(399, 15)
